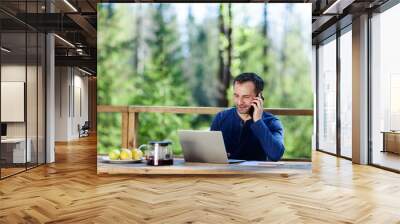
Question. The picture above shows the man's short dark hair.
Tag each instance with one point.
(252, 77)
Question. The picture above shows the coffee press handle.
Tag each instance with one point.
(142, 146)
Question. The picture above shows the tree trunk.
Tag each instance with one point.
(221, 93)
(224, 74)
(110, 11)
(227, 69)
(266, 41)
(137, 40)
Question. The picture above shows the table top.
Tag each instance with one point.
(391, 132)
(13, 140)
(183, 168)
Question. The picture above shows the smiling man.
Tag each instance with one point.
(249, 132)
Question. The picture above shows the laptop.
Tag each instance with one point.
(204, 147)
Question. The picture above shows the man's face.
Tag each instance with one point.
(243, 95)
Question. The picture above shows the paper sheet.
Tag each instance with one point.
(260, 163)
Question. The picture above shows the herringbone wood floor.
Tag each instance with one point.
(69, 191)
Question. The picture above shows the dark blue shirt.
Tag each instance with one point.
(249, 140)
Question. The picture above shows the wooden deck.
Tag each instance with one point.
(70, 191)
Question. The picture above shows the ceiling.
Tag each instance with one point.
(332, 15)
(74, 22)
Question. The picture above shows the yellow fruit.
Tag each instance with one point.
(137, 154)
(114, 154)
(126, 154)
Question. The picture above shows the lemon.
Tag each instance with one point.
(137, 154)
(114, 154)
(126, 154)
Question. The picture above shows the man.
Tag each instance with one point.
(257, 137)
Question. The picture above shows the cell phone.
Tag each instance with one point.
(251, 110)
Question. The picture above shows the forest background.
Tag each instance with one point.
(181, 54)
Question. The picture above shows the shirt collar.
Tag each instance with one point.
(239, 119)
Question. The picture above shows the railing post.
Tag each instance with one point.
(124, 129)
(133, 129)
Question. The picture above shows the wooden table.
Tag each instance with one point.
(182, 168)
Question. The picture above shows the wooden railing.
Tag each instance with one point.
(130, 116)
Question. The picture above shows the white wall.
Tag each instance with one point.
(10, 73)
(33, 127)
(80, 102)
(71, 94)
(16, 73)
(62, 81)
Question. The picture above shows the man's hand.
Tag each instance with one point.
(258, 105)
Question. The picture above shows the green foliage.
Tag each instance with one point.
(109, 132)
(298, 131)
(144, 59)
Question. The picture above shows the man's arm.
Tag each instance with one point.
(271, 138)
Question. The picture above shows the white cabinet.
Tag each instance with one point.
(18, 149)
